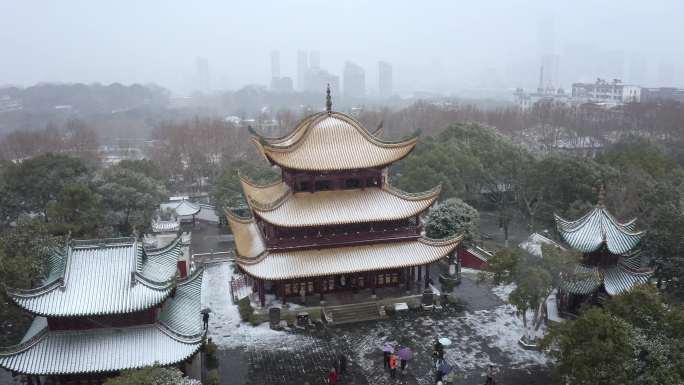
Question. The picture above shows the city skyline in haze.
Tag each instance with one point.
(436, 46)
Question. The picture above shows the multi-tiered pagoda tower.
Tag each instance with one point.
(333, 222)
(106, 306)
(611, 263)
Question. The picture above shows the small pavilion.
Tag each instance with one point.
(611, 263)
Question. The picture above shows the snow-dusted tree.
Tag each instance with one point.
(534, 279)
(152, 376)
(453, 216)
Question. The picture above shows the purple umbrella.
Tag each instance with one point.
(387, 347)
(405, 354)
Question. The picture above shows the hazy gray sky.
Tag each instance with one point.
(440, 45)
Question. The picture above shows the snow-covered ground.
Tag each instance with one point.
(225, 327)
(479, 338)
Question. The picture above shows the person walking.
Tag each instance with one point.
(403, 365)
(490, 375)
(342, 363)
(393, 365)
(386, 357)
(205, 320)
(332, 377)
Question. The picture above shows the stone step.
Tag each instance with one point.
(353, 313)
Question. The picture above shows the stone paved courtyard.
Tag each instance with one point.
(484, 332)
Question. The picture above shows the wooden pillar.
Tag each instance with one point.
(262, 293)
(409, 278)
(373, 281)
(281, 289)
(413, 273)
(427, 275)
(420, 273)
(320, 288)
(312, 183)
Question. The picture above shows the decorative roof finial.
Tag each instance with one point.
(601, 195)
(328, 100)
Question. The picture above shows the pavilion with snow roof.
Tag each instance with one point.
(333, 222)
(610, 264)
(183, 210)
(107, 305)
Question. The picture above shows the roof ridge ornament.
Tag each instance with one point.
(328, 100)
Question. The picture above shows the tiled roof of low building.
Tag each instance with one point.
(596, 229)
(182, 208)
(279, 206)
(331, 141)
(109, 276)
(176, 336)
(171, 226)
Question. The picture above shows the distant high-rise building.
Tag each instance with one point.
(282, 84)
(384, 79)
(354, 80)
(317, 80)
(202, 74)
(302, 69)
(275, 64)
(314, 60)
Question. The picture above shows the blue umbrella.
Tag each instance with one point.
(387, 347)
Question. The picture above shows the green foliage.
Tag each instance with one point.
(76, 210)
(151, 376)
(23, 251)
(37, 181)
(534, 279)
(503, 265)
(226, 190)
(453, 216)
(593, 349)
(145, 167)
(130, 197)
(213, 377)
(636, 339)
(245, 308)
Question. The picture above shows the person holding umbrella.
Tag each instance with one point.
(442, 370)
(405, 354)
(342, 363)
(393, 365)
(387, 350)
(205, 317)
(332, 377)
(490, 375)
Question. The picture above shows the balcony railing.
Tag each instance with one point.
(350, 238)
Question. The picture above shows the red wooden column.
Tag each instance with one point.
(320, 288)
(409, 278)
(281, 290)
(262, 293)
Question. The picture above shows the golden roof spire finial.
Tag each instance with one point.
(601, 195)
(328, 100)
